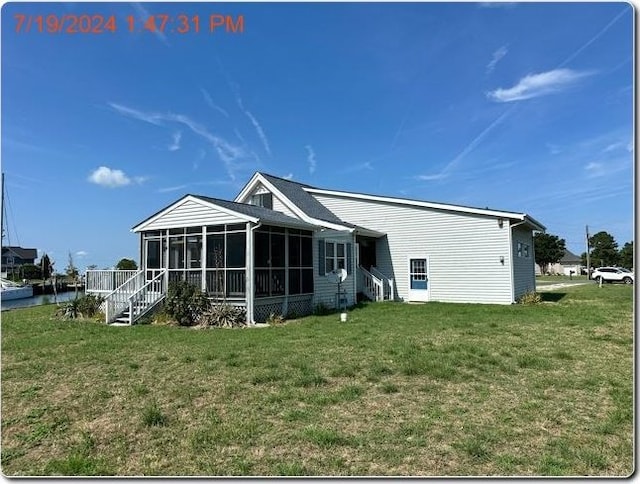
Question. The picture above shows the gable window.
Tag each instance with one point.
(262, 200)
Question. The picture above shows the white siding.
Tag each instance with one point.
(464, 249)
(191, 213)
(524, 279)
(278, 205)
(324, 292)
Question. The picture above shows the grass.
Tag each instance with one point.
(424, 390)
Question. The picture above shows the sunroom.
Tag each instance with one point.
(244, 255)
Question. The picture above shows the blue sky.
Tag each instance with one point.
(526, 107)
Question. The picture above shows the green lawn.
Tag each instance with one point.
(433, 390)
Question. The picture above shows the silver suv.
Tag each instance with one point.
(613, 274)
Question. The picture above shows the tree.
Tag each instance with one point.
(604, 250)
(625, 258)
(46, 266)
(549, 249)
(31, 271)
(126, 265)
(72, 270)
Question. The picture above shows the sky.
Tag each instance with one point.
(523, 107)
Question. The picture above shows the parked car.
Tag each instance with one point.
(613, 274)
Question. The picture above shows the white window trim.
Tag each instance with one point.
(334, 258)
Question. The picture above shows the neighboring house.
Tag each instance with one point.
(570, 264)
(270, 250)
(14, 257)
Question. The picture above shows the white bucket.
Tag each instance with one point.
(343, 317)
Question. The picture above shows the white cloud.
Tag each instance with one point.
(227, 152)
(256, 125)
(108, 177)
(82, 253)
(535, 85)
(171, 189)
(175, 145)
(153, 118)
(288, 177)
(311, 159)
(212, 105)
(143, 16)
(497, 56)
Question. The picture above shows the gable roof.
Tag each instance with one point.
(248, 213)
(301, 196)
(21, 252)
(261, 214)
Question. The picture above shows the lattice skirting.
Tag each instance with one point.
(296, 306)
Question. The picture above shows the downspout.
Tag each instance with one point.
(511, 261)
(250, 291)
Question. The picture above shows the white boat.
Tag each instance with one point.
(11, 290)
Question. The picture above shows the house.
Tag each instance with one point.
(13, 258)
(569, 264)
(270, 251)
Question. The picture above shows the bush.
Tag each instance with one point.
(86, 306)
(275, 319)
(89, 305)
(185, 302)
(223, 316)
(530, 298)
(321, 310)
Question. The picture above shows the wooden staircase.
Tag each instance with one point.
(135, 298)
(375, 285)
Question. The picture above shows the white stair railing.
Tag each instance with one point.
(117, 301)
(372, 285)
(145, 298)
(387, 283)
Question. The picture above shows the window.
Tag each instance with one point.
(519, 249)
(262, 200)
(335, 256)
(526, 250)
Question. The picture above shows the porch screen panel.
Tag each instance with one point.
(300, 260)
(153, 254)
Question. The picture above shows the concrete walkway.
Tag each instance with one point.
(560, 285)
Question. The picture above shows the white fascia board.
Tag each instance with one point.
(258, 178)
(417, 203)
(190, 198)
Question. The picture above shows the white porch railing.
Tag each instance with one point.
(106, 281)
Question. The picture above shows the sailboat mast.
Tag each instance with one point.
(2, 211)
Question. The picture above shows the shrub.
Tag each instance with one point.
(185, 302)
(275, 319)
(89, 305)
(70, 310)
(223, 315)
(530, 298)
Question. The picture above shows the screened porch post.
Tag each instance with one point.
(142, 252)
(249, 272)
(164, 248)
(203, 261)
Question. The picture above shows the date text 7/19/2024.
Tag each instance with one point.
(105, 24)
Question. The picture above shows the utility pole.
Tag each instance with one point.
(588, 256)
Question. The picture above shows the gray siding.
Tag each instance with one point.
(324, 292)
(524, 279)
(464, 249)
(189, 214)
